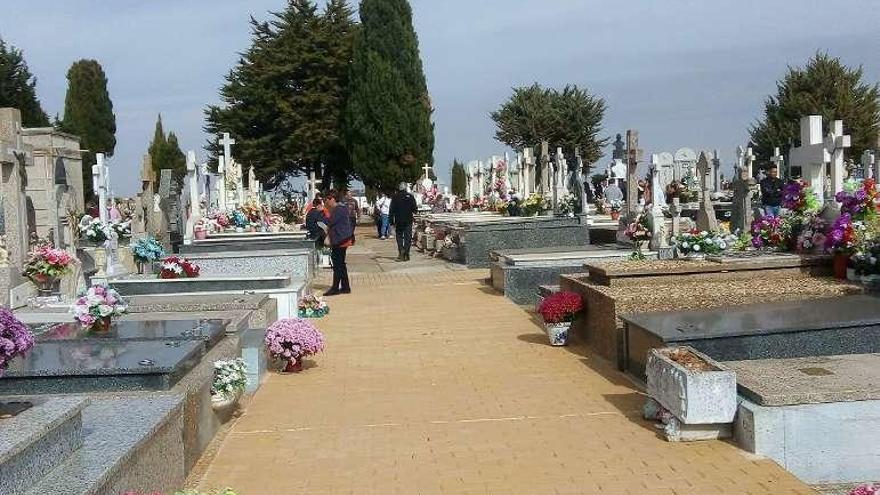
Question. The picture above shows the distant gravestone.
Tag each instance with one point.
(706, 220)
(613, 193)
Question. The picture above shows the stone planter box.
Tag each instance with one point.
(694, 397)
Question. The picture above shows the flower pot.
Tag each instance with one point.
(221, 402)
(558, 333)
(615, 215)
(841, 261)
(201, 234)
(47, 286)
(294, 366)
(284, 365)
(101, 326)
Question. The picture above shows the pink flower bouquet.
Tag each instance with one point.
(15, 338)
(292, 339)
(98, 305)
(47, 263)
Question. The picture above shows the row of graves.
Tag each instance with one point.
(767, 334)
(120, 360)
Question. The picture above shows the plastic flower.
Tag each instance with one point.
(15, 338)
(293, 339)
(560, 307)
(97, 302)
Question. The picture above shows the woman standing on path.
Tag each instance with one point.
(341, 233)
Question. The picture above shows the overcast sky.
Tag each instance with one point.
(683, 72)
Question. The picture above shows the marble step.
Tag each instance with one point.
(130, 443)
(36, 441)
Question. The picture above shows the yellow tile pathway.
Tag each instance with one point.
(433, 384)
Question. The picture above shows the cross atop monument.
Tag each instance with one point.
(633, 156)
(779, 161)
(836, 144)
(314, 182)
(227, 143)
(427, 169)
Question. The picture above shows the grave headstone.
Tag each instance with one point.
(706, 220)
(664, 162)
(193, 213)
(657, 219)
(743, 191)
(779, 162)
(811, 155)
(869, 162)
(13, 157)
(529, 172)
(633, 157)
(546, 185)
(836, 143)
(581, 177)
(684, 161)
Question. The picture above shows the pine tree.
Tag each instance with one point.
(459, 179)
(387, 123)
(284, 99)
(18, 87)
(823, 87)
(88, 113)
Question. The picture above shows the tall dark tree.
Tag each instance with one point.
(388, 128)
(826, 87)
(284, 99)
(165, 153)
(158, 146)
(569, 118)
(18, 87)
(88, 113)
(459, 179)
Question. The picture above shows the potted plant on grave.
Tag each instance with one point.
(94, 230)
(558, 312)
(122, 228)
(174, 267)
(614, 207)
(45, 267)
(290, 340)
(15, 337)
(230, 380)
(96, 307)
(841, 243)
(312, 306)
(145, 252)
(698, 244)
(639, 232)
(239, 220)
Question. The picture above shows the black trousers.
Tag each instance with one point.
(340, 269)
(404, 238)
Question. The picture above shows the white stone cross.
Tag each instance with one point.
(227, 143)
(314, 182)
(811, 155)
(99, 185)
(869, 161)
(427, 169)
(528, 172)
(778, 160)
(749, 158)
(835, 145)
(658, 194)
(195, 213)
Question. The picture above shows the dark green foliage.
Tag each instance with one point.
(824, 87)
(88, 113)
(388, 129)
(283, 100)
(568, 118)
(18, 87)
(165, 153)
(459, 179)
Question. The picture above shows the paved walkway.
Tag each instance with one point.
(434, 384)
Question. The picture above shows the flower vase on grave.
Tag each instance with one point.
(201, 234)
(46, 286)
(841, 262)
(294, 366)
(145, 268)
(101, 326)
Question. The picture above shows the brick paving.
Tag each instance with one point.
(434, 384)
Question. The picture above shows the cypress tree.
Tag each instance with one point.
(387, 123)
(88, 113)
(165, 152)
(825, 87)
(158, 147)
(459, 179)
(175, 158)
(284, 99)
(18, 87)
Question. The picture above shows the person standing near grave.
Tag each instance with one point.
(341, 234)
(383, 208)
(402, 211)
(771, 192)
(315, 215)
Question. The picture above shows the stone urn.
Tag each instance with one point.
(694, 389)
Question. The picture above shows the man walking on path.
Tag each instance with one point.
(403, 209)
(341, 233)
(383, 208)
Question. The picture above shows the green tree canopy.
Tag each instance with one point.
(18, 87)
(388, 128)
(165, 153)
(284, 99)
(88, 113)
(458, 181)
(569, 118)
(823, 87)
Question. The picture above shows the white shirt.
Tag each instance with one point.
(384, 205)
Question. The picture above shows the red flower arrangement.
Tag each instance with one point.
(560, 307)
(174, 267)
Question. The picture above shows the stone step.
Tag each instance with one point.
(36, 441)
(130, 443)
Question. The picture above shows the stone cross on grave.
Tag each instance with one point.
(427, 169)
(194, 202)
(581, 179)
(706, 220)
(546, 186)
(528, 172)
(313, 184)
(13, 154)
(633, 157)
(836, 144)
(99, 185)
(743, 192)
(869, 161)
(811, 155)
(716, 167)
(658, 197)
(779, 162)
(225, 165)
(517, 175)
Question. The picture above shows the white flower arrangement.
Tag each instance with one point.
(696, 242)
(95, 230)
(230, 378)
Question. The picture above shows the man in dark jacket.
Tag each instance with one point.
(403, 209)
(341, 238)
(771, 192)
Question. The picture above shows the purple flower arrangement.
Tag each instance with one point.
(865, 490)
(798, 197)
(842, 237)
(769, 232)
(293, 339)
(15, 338)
